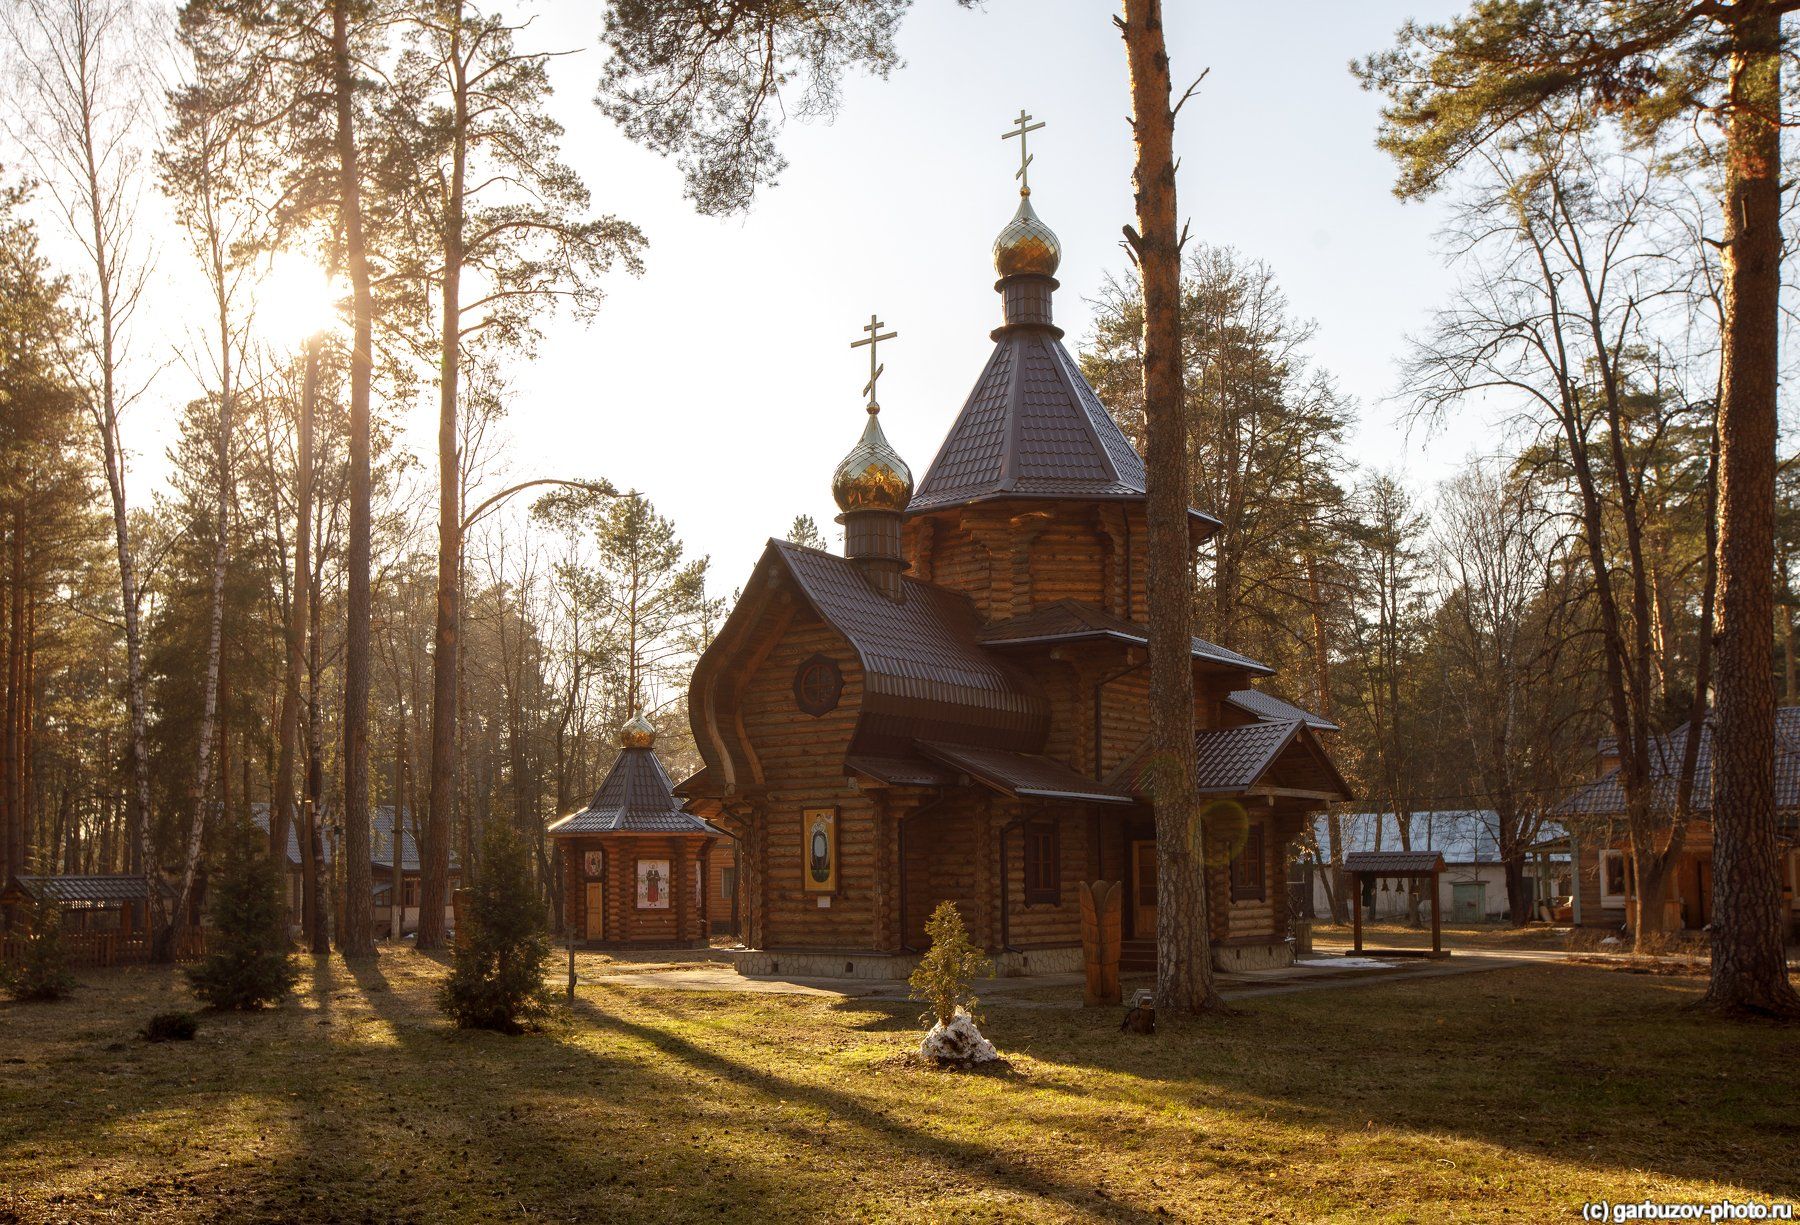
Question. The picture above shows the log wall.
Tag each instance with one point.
(802, 767)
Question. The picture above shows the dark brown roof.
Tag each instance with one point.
(900, 771)
(635, 798)
(1234, 759)
(1025, 774)
(98, 890)
(1396, 863)
(1268, 707)
(923, 670)
(1032, 428)
(1606, 797)
(1075, 621)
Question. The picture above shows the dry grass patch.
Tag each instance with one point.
(1512, 1094)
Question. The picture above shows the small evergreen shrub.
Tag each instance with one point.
(497, 979)
(170, 1027)
(252, 964)
(42, 973)
(949, 968)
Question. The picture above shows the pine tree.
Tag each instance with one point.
(41, 974)
(252, 966)
(945, 975)
(498, 979)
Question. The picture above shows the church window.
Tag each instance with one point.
(1249, 874)
(818, 685)
(1043, 869)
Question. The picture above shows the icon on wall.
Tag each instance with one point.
(653, 884)
(818, 826)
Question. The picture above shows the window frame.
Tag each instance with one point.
(1041, 863)
(1243, 887)
(832, 693)
(1611, 899)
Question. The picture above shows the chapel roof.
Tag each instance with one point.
(636, 796)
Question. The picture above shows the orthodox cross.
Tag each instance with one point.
(1024, 125)
(874, 339)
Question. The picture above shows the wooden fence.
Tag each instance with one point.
(100, 949)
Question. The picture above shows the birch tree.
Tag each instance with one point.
(84, 92)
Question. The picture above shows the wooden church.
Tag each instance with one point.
(957, 708)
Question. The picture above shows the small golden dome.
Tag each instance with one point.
(872, 476)
(637, 733)
(1026, 247)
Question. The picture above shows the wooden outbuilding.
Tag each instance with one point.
(1365, 869)
(1606, 893)
(957, 708)
(636, 869)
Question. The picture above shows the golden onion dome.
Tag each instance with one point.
(1026, 247)
(872, 476)
(637, 733)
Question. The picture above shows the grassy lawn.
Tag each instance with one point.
(1517, 1094)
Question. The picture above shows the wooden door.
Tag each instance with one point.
(1143, 890)
(596, 910)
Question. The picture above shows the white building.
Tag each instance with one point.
(1472, 888)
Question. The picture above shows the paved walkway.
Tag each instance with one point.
(1321, 971)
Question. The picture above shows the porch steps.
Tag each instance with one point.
(1137, 956)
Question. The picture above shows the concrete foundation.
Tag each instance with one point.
(1234, 957)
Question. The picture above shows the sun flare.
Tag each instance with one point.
(296, 299)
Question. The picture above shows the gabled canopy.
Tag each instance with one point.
(1264, 757)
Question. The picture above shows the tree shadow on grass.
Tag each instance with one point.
(952, 1155)
(1552, 1062)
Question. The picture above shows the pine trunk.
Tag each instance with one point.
(284, 812)
(1749, 969)
(434, 868)
(358, 922)
(1184, 978)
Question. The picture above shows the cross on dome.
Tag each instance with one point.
(1023, 125)
(873, 340)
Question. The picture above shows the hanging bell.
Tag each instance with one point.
(1384, 886)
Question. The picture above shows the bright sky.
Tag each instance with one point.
(721, 382)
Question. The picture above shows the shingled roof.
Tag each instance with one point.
(1394, 863)
(1606, 796)
(1269, 708)
(636, 797)
(1233, 759)
(1033, 428)
(1026, 774)
(919, 654)
(1075, 621)
(91, 890)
